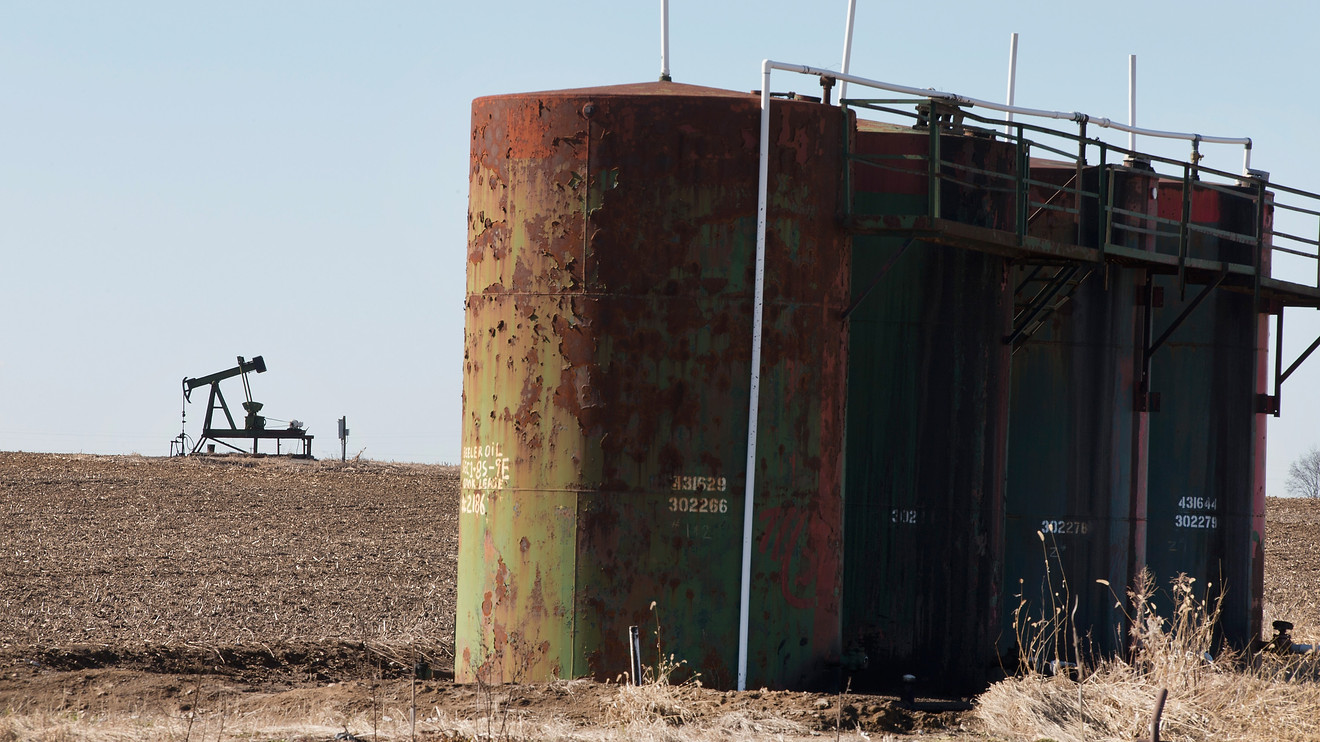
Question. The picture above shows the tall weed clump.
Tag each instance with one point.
(1214, 693)
(649, 705)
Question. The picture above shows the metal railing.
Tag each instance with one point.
(1283, 230)
(1020, 181)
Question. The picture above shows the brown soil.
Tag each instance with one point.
(203, 589)
(1292, 566)
(271, 598)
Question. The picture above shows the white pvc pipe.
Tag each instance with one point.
(1132, 101)
(753, 408)
(664, 41)
(1012, 82)
(972, 102)
(847, 46)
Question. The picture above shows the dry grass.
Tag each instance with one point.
(657, 710)
(1228, 697)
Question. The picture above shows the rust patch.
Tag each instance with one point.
(607, 350)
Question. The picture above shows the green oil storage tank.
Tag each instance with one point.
(1206, 496)
(928, 376)
(609, 316)
(1076, 479)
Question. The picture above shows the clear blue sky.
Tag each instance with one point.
(182, 183)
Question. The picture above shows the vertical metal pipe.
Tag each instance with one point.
(664, 41)
(635, 654)
(1138, 508)
(1104, 196)
(1278, 363)
(753, 407)
(933, 162)
(1159, 712)
(1184, 228)
(1023, 191)
(1263, 242)
(1132, 101)
(1012, 81)
(1081, 167)
(847, 47)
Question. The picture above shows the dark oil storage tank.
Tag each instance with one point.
(1206, 498)
(1076, 479)
(609, 315)
(927, 416)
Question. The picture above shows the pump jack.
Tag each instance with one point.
(254, 425)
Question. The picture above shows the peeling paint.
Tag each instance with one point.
(608, 348)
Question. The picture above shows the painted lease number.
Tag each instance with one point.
(903, 516)
(1195, 521)
(474, 503)
(1065, 527)
(700, 484)
(698, 505)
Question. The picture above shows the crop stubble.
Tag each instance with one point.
(312, 583)
(224, 551)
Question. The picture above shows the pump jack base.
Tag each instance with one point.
(219, 434)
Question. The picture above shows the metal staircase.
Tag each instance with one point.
(1044, 291)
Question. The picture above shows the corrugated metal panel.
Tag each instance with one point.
(1075, 441)
(927, 416)
(1207, 440)
(611, 243)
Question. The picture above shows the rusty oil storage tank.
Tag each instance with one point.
(609, 316)
(1206, 498)
(928, 376)
(1076, 453)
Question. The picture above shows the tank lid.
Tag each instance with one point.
(633, 90)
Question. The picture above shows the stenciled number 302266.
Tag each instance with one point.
(699, 505)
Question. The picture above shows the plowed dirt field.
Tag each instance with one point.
(269, 598)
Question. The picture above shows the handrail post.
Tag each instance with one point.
(848, 159)
(1023, 190)
(933, 166)
(1278, 363)
(1184, 230)
(1080, 189)
(1104, 203)
(1260, 239)
(1109, 227)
